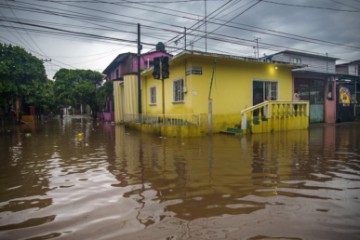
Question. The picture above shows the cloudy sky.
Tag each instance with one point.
(89, 34)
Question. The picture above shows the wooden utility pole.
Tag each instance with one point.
(185, 37)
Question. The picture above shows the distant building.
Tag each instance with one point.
(123, 65)
(350, 68)
(348, 90)
(313, 78)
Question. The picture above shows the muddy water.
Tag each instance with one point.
(115, 183)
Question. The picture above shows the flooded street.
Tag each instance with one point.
(117, 183)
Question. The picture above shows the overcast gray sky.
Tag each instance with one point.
(89, 34)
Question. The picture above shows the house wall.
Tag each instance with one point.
(317, 64)
(130, 100)
(231, 89)
(342, 69)
(354, 69)
(118, 96)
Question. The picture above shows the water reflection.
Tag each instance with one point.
(204, 177)
(117, 182)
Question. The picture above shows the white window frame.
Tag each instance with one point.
(178, 91)
(271, 91)
(153, 95)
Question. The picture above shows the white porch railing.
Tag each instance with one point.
(276, 111)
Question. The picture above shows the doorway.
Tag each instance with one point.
(312, 90)
(264, 90)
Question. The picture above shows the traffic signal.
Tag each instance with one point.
(165, 67)
(156, 72)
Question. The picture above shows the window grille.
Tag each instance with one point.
(178, 90)
(194, 70)
(153, 95)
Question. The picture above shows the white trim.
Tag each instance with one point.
(265, 80)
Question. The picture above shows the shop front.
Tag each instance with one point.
(348, 97)
(312, 90)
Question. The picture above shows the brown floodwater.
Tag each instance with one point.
(117, 183)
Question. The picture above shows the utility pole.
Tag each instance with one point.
(138, 69)
(257, 48)
(185, 37)
(327, 65)
(205, 19)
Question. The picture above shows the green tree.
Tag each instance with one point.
(20, 74)
(105, 94)
(42, 96)
(75, 87)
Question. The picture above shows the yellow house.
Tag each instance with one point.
(208, 93)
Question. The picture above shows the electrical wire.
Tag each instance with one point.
(92, 18)
(236, 16)
(270, 32)
(311, 7)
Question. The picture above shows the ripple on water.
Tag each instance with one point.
(135, 186)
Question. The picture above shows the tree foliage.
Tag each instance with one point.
(22, 75)
(42, 96)
(105, 94)
(75, 87)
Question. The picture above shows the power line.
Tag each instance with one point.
(215, 37)
(239, 14)
(262, 31)
(192, 28)
(18, 37)
(343, 4)
(31, 39)
(87, 17)
(308, 6)
(109, 2)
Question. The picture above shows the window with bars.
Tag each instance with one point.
(194, 70)
(153, 95)
(178, 90)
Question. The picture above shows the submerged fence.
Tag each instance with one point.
(164, 119)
